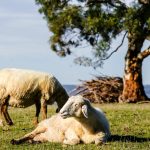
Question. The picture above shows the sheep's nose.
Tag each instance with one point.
(64, 114)
(62, 111)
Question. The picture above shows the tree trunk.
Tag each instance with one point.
(133, 90)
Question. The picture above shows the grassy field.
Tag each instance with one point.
(130, 128)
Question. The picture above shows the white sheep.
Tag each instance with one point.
(23, 88)
(77, 122)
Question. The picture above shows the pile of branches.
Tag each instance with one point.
(101, 89)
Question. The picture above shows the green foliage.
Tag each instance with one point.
(73, 23)
(100, 52)
(130, 122)
(148, 24)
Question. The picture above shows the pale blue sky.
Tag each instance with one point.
(24, 44)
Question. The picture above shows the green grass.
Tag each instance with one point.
(130, 128)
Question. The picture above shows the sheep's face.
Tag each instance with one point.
(76, 106)
(60, 98)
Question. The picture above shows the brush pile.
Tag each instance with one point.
(101, 89)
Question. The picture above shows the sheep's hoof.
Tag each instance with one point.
(14, 142)
(35, 122)
(10, 123)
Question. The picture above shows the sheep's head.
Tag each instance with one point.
(60, 98)
(76, 106)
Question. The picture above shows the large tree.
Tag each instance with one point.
(97, 22)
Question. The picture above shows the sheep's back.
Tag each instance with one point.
(25, 84)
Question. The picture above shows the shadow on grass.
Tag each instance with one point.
(128, 138)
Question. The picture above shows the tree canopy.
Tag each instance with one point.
(77, 22)
(96, 23)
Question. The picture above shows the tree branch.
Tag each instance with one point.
(116, 4)
(117, 47)
(148, 35)
(145, 2)
(144, 54)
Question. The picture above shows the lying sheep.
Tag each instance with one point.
(23, 88)
(77, 122)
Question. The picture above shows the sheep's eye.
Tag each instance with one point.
(76, 105)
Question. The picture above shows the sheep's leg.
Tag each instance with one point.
(71, 138)
(6, 115)
(44, 109)
(40, 138)
(1, 116)
(4, 111)
(30, 136)
(38, 108)
(2, 101)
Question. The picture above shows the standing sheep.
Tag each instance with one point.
(23, 88)
(77, 122)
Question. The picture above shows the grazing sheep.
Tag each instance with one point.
(23, 88)
(77, 122)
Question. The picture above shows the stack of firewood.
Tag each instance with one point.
(101, 89)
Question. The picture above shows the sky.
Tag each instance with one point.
(24, 43)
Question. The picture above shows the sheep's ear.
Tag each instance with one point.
(85, 111)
